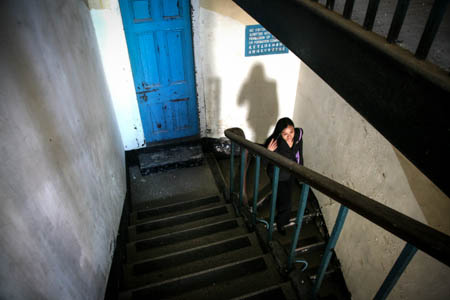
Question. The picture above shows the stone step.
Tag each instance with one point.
(168, 210)
(184, 239)
(223, 282)
(180, 222)
(191, 260)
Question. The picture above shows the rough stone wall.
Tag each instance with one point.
(62, 175)
(340, 144)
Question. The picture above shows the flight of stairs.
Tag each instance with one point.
(197, 248)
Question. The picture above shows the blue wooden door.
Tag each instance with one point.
(159, 40)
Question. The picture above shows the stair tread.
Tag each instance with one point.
(200, 258)
(168, 158)
(212, 283)
(186, 239)
(282, 291)
(181, 222)
(314, 259)
(173, 209)
(171, 200)
(308, 232)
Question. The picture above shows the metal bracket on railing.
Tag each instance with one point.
(302, 262)
(266, 224)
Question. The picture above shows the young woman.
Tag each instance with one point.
(287, 141)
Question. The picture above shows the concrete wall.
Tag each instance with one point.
(238, 91)
(340, 144)
(62, 175)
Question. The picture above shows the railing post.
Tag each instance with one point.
(298, 221)
(331, 244)
(231, 171)
(255, 189)
(276, 174)
(242, 177)
(396, 271)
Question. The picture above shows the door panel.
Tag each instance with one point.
(159, 42)
(148, 60)
(174, 41)
(171, 9)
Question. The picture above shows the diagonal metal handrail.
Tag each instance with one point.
(425, 238)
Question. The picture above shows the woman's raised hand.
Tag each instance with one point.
(273, 145)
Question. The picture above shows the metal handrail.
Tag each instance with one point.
(425, 238)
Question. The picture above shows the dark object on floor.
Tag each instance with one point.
(221, 147)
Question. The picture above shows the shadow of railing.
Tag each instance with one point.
(417, 235)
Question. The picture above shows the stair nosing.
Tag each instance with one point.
(180, 215)
(175, 204)
(186, 250)
(174, 228)
(162, 202)
(237, 219)
(149, 286)
(270, 288)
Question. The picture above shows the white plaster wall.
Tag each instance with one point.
(234, 90)
(340, 144)
(62, 175)
(116, 64)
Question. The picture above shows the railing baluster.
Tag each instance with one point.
(331, 244)
(397, 20)
(241, 181)
(372, 9)
(396, 271)
(231, 171)
(255, 189)
(298, 221)
(330, 4)
(434, 20)
(276, 174)
(348, 9)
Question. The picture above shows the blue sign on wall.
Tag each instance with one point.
(258, 41)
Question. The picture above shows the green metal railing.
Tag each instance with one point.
(416, 234)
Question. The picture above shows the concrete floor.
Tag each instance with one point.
(171, 186)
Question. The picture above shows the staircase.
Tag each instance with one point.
(186, 242)
(310, 246)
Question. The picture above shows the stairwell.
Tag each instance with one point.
(185, 241)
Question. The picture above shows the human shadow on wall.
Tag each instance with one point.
(259, 94)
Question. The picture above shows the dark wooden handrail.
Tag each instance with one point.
(425, 238)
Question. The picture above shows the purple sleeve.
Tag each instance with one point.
(297, 155)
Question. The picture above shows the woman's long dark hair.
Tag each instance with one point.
(281, 125)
